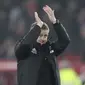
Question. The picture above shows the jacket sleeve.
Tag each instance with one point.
(22, 50)
(63, 39)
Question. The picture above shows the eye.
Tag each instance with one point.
(45, 35)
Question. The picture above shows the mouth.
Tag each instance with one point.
(42, 42)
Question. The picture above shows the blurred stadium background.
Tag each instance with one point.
(16, 16)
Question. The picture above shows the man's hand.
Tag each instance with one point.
(38, 20)
(50, 13)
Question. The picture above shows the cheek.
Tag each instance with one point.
(46, 39)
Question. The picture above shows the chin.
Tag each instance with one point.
(42, 43)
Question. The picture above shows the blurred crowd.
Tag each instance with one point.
(16, 17)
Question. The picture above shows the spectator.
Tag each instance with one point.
(68, 75)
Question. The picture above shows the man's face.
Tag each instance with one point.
(43, 37)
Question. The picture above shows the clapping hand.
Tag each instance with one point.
(50, 13)
(38, 20)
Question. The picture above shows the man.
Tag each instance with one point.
(36, 60)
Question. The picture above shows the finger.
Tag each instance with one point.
(49, 7)
(44, 8)
(36, 16)
(47, 11)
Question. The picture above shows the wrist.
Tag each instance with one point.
(54, 21)
(40, 24)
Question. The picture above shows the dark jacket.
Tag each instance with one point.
(35, 63)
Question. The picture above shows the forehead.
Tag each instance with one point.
(44, 32)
